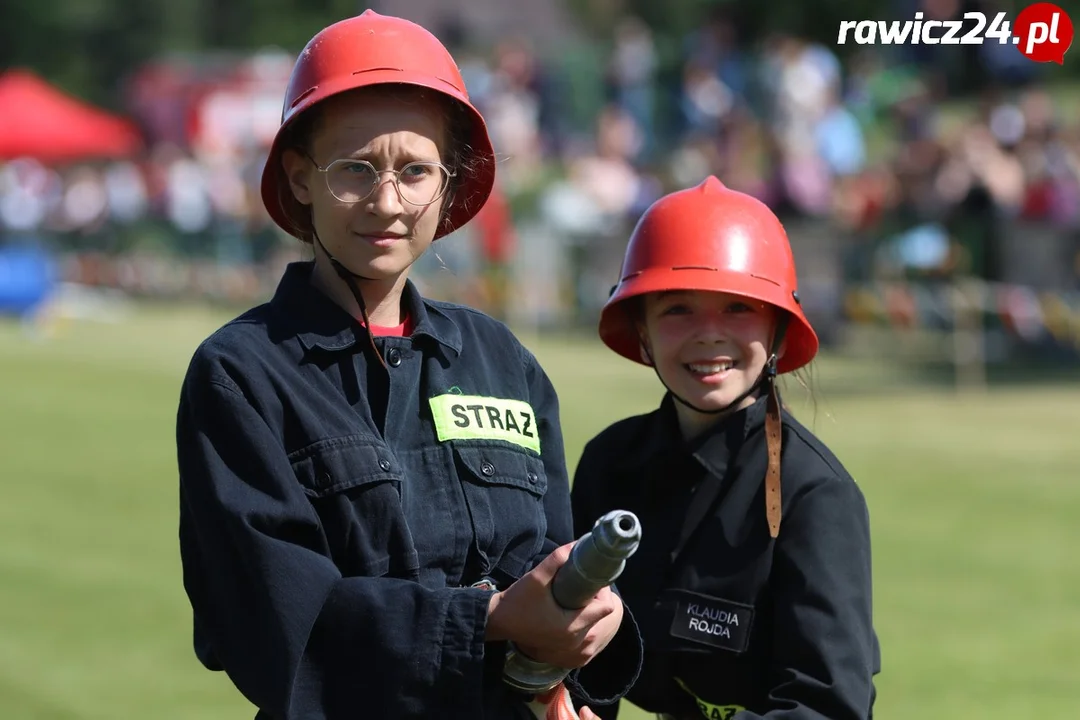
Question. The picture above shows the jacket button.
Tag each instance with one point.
(325, 480)
(488, 469)
(393, 357)
(533, 478)
(384, 464)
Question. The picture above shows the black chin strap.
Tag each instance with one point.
(767, 378)
(766, 375)
(350, 278)
(773, 429)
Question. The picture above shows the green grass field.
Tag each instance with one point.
(974, 502)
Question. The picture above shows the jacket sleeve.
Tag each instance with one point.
(825, 650)
(272, 610)
(609, 677)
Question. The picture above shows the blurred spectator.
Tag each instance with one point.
(631, 79)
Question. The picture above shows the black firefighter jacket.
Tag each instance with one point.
(737, 625)
(333, 512)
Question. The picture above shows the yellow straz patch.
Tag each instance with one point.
(472, 417)
(709, 710)
(718, 712)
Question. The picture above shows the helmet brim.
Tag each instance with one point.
(618, 324)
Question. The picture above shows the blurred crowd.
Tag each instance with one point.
(874, 147)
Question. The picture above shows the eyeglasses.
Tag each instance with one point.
(418, 183)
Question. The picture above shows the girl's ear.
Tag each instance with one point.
(643, 347)
(297, 168)
(645, 355)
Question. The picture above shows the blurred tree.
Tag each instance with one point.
(673, 19)
(817, 21)
(88, 46)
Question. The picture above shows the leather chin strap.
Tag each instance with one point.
(773, 427)
(350, 278)
(773, 423)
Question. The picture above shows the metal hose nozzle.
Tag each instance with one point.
(596, 560)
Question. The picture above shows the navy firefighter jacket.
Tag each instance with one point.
(333, 513)
(737, 625)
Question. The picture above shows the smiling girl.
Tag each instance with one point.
(742, 618)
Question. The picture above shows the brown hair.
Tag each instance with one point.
(457, 154)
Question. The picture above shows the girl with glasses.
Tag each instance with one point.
(373, 489)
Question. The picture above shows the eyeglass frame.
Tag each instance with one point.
(450, 175)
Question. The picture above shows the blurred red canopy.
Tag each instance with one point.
(40, 121)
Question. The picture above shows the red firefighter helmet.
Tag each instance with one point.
(714, 239)
(362, 51)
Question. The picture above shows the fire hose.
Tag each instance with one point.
(596, 561)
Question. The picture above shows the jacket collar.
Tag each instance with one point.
(716, 449)
(660, 437)
(321, 324)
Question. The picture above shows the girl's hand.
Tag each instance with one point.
(527, 614)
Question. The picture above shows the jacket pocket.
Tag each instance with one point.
(354, 483)
(504, 490)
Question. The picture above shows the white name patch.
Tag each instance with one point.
(713, 621)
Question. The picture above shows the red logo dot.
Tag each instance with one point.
(1045, 32)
